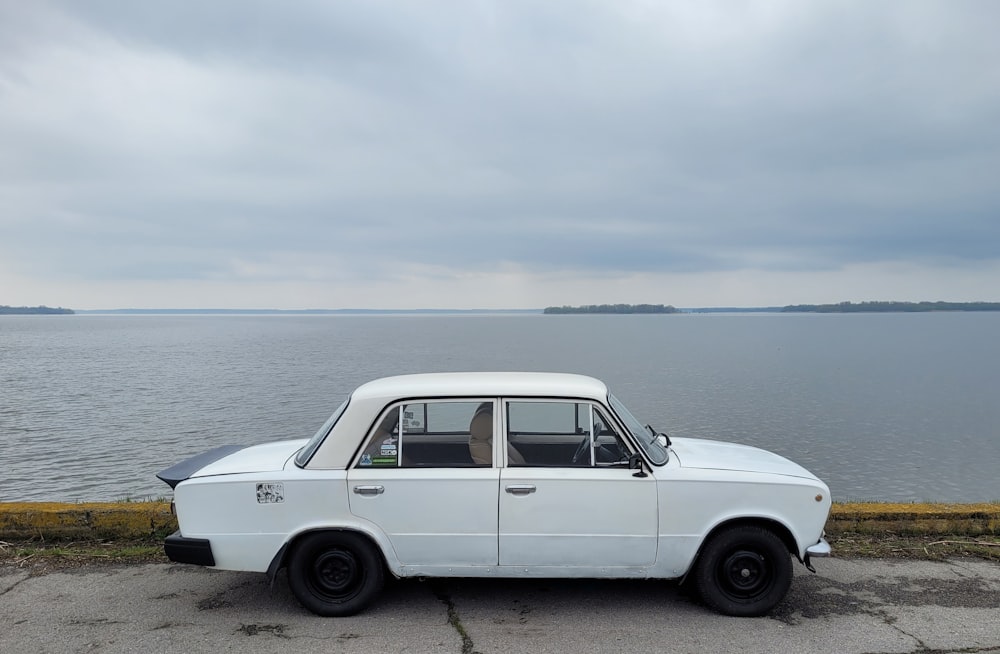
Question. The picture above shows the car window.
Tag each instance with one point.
(646, 439)
(432, 434)
(562, 434)
(302, 458)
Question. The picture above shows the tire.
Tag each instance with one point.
(743, 571)
(335, 573)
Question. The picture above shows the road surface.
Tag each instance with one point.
(850, 606)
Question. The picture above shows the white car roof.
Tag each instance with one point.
(368, 401)
(530, 384)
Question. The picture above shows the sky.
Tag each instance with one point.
(508, 154)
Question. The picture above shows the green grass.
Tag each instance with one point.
(889, 545)
(39, 555)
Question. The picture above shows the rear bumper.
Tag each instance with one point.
(196, 551)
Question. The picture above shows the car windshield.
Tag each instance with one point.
(302, 458)
(647, 440)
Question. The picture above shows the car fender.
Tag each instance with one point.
(363, 527)
(796, 509)
(768, 521)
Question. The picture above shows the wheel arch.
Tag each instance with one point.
(280, 559)
(773, 525)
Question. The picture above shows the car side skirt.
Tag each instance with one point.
(531, 572)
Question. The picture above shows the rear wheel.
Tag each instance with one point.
(743, 571)
(335, 573)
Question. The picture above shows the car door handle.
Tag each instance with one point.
(369, 490)
(520, 489)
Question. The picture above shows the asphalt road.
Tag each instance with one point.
(849, 606)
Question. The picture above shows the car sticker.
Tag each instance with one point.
(270, 493)
(383, 460)
(411, 422)
(366, 459)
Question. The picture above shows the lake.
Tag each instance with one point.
(880, 406)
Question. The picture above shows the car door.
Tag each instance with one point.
(417, 481)
(567, 495)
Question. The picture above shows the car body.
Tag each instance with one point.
(406, 478)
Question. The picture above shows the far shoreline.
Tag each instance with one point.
(602, 309)
(40, 310)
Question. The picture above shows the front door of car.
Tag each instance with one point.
(416, 479)
(567, 495)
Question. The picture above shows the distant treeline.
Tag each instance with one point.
(614, 308)
(908, 307)
(21, 311)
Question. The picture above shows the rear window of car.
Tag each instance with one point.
(306, 453)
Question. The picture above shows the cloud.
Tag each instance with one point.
(325, 143)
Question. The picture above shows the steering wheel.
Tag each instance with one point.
(582, 449)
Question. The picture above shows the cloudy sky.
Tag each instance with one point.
(507, 154)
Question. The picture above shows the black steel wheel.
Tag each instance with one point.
(335, 573)
(743, 571)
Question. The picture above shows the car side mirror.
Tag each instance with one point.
(635, 463)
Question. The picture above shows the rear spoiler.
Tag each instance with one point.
(178, 472)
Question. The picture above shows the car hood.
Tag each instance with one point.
(267, 457)
(718, 455)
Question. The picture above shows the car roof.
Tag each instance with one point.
(369, 400)
(444, 384)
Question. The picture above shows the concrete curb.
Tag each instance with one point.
(153, 520)
(88, 521)
(915, 519)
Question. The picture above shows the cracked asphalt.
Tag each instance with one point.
(860, 605)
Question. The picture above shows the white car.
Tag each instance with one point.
(498, 475)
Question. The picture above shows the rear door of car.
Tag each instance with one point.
(591, 512)
(417, 481)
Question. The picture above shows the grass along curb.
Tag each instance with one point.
(924, 530)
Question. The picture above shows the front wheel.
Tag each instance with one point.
(335, 573)
(743, 571)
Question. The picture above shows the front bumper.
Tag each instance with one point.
(196, 551)
(820, 550)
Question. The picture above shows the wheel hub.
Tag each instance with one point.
(336, 571)
(744, 573)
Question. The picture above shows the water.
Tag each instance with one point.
(881, 406)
